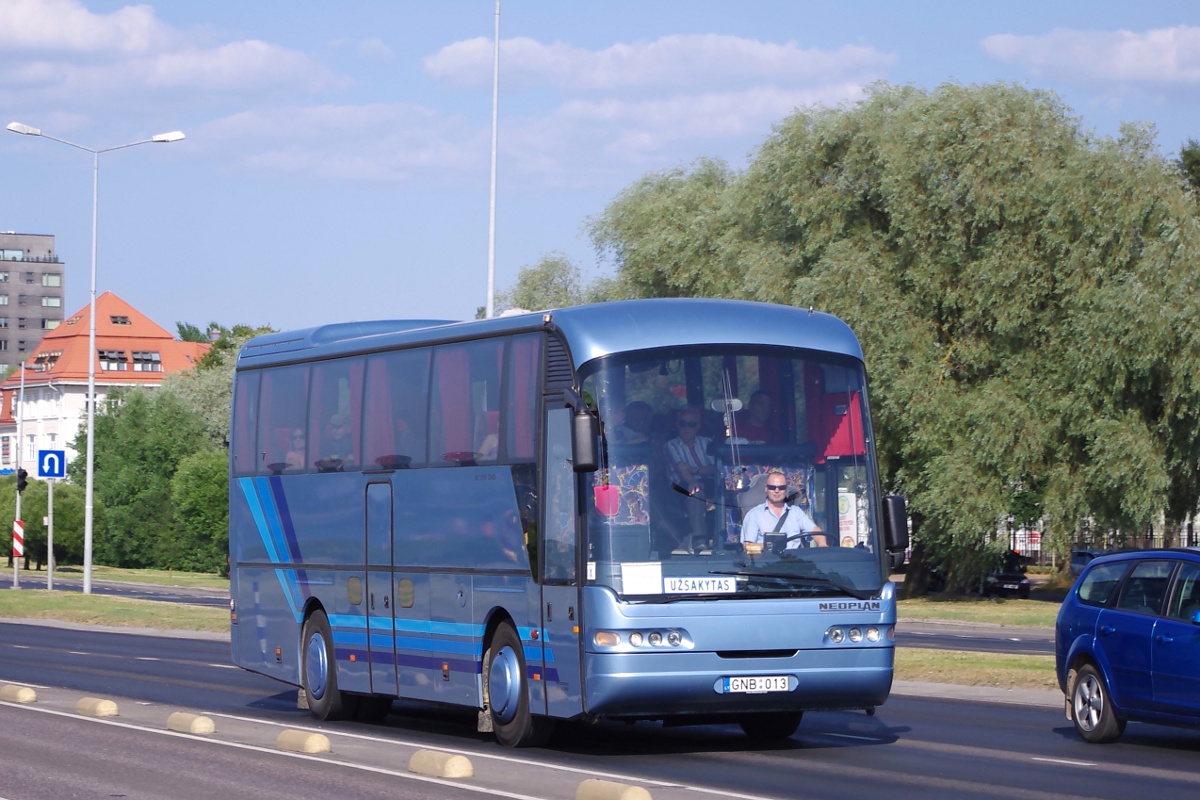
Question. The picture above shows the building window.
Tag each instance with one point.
(29, 277)
(3, 345)
(3, 299)
(21, 323)
(47, 324)
(113, 360)
(3, 322)
(22, 300)
(147, 361)
(4, 275)
(51, 302)
(47, 359)
(119, 319)
(52, 279)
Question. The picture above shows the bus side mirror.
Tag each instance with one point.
(585, 432)
(895, 522)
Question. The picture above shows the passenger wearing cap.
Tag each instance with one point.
(338, 444)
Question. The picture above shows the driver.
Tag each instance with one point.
(776, 515)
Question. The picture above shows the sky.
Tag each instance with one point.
(337, 160)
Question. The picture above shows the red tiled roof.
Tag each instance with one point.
(119, 326)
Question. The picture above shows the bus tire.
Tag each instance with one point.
(775, 725)
(319, 667)
(506, 692)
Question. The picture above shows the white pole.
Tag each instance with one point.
(49, 534)
(90, 482)
(491, 275)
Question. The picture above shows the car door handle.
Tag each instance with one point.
(1163, 638)
(1105, 630)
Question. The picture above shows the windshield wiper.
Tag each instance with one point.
(860, 594)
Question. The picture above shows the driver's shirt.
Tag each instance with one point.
(761, 519)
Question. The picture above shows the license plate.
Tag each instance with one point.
(756, 684)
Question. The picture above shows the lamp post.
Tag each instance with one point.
(173, 136)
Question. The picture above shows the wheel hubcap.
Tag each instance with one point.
(504, 684)
(1089, 703)
(316, 668)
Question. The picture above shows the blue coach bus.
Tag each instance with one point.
(494, 514)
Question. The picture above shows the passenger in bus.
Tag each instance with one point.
(693, 471)
(776, 516)
(295, 455)
(635, 428)
(754, 423)
(338, 442)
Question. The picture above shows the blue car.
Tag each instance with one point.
(1127, 642)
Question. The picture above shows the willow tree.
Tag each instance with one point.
(1026, 295)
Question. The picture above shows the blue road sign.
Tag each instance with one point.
(52, 463)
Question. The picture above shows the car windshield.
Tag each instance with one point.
(731, 473)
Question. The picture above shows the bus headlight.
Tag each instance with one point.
(836, 635)
(655, 638)
(855, 635)
(636, 639)
(872, 634)
(606, 639)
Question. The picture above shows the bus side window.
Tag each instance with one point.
(397, 409)
(465, 386)
(245, 404)
(282, 408)
(336, 416)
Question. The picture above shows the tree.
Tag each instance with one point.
(200, 498)
(141, 437)
(1189, 164)
(1024, 295)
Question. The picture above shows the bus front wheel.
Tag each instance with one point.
(320, 671)
(506, 692)
(777, 725)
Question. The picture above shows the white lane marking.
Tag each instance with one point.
(495, 757)
(146, 658)
(1066, 761)
(288, 754)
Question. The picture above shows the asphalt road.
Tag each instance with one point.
(927, 740)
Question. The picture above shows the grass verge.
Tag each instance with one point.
(94, 609)
(158, 577)
(999, 670)
(1039, 613)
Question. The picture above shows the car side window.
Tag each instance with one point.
(1185, 595)
(1146, 587)
(1097, 586)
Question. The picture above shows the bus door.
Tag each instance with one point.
(381, 628)
(561, 619)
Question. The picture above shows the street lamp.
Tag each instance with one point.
(173, 136)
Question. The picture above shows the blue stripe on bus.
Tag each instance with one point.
(264, 521)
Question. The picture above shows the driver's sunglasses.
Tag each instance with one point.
(777, 488)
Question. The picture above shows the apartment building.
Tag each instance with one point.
(31, 293)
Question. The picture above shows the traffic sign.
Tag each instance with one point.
(52, 463)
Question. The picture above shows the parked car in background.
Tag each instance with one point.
(1081, 558)
(1127, 642)
(1007, 580)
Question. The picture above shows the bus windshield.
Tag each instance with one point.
(732, 473)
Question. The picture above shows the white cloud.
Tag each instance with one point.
(66, 26)
(711, 60)
(56, 52)
(1162, 57)
(376, 142)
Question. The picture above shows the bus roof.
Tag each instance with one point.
(590, 331)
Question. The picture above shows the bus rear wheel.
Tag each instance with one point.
(776, 725)
(506, 692)
(320, 671)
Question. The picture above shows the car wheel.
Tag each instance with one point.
(506, 693)
(1092, 709)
